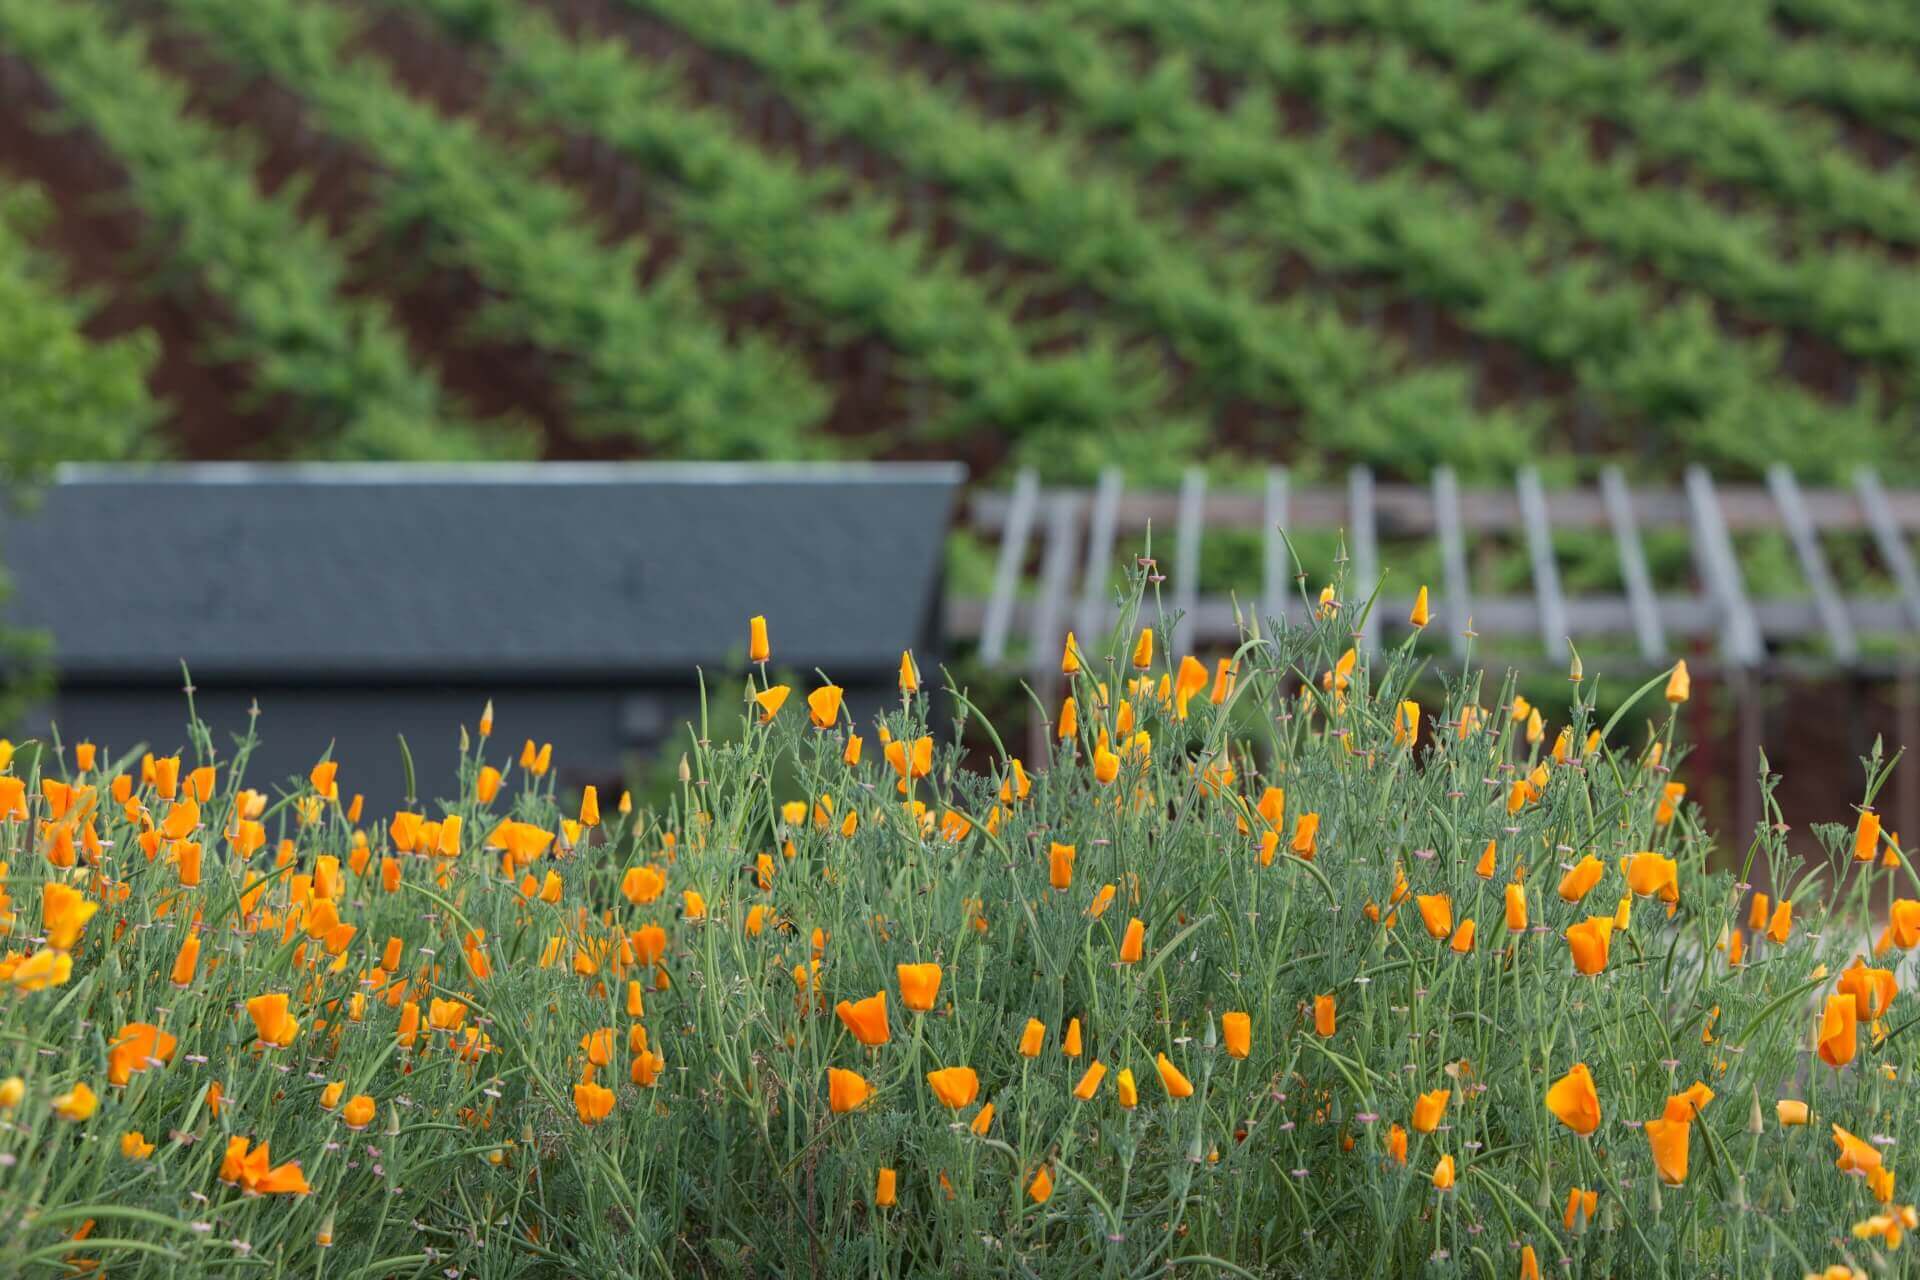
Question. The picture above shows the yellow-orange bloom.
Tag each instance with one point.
(913, 759)
(1436, 913)
(1679, 684)
(885, 1189)
(1484, 868)
(1856, 1155)
(1590, 942)
(1134, 941)
(847, 1089)
(758, 650)
(1192, 678)
(1581, 1206)
(1688, 1103)
(1172, 1079)
(1653, 873)
(1060, 866)
(1443, 1173)
(1143, 649)
(866, 1019)
(1668, 1140)
(593, 1102)
(1420, 615)
(919, 985)
(64, 912)
(446, 1015)
(1839, 1030)
(271, 1021)
(1397, 1143)
(642, 885)
(44, 968)
(1406, 724)
(1872, 989)
(1790, 1111)
(955, 1087)
(1236, 1029)
(1781, 926)
(186, 961)
(770, 701)
(1306, 835)
(1516, 908)
(1866, 836)
(1032, 1038)
(1579, 881)
(1428, 1109)
(1090, 1080)
(1324, 1018)
(76, 1104)
(823, 706)
(1574, 1101)
(138, 1046)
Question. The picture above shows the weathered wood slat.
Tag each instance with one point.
(1278, 562)
(1713, 552)
(1191, 529)
(1006, 573)
(1887, 536)
(1096, 585)
(1456, 601)
(1056, 578)
(1364, 550)
(1546, 570)
(1633, 565)
(1813, 562)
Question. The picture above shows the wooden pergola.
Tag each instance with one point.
(1058, 548)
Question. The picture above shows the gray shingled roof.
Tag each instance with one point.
(565, 571)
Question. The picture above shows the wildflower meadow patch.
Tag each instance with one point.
(1299, 962)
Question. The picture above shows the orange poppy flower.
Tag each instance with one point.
(866, 1019)
(955, 1087)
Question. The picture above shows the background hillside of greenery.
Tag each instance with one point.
(1061, 232)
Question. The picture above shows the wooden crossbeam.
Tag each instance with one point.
(1403, 510)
